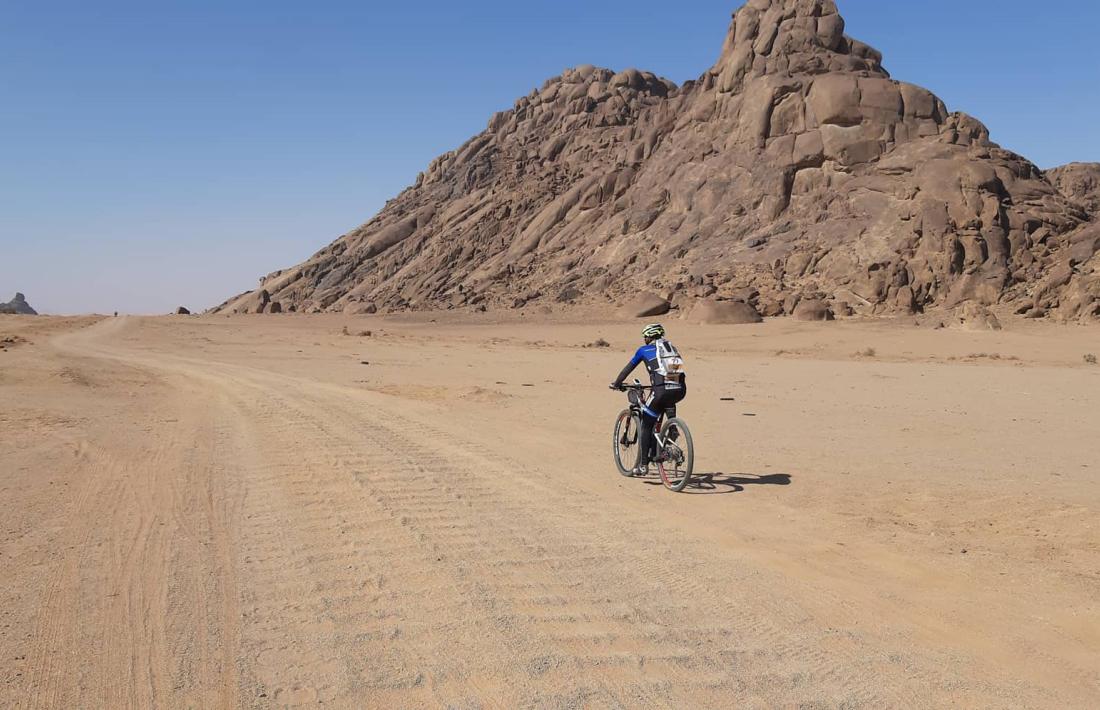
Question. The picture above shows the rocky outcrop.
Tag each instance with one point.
(795, 167)
(18, 306)
(1079, 182)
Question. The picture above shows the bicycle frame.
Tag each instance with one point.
(637, 409)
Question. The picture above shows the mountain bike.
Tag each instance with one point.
(675, 451)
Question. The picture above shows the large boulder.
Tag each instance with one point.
(358, 308)
(974, 316)
(713, 312)
(646, 305)
(18, 306)
(812, 309)
(253, 302)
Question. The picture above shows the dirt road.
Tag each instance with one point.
(266, 512)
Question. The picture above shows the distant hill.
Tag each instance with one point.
(794, 169)
(18, 305)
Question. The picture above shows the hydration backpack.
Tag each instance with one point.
(669, 363)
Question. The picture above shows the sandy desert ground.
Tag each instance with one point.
(260, 511)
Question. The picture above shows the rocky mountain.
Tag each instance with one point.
(18, 306)
(794, 169)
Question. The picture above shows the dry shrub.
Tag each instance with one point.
(990, 356)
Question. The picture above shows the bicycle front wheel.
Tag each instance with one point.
(677, 460)
(624, 442)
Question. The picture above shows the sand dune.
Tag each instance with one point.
(225, 512)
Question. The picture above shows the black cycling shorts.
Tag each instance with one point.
(663, 400)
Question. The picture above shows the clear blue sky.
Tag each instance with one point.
(165, 153)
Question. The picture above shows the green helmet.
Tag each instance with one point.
(653, 331)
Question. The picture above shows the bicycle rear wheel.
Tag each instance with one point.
(624, 442)
(678, 458)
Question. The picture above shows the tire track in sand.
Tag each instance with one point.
(587, 617)
(384, 560)
(139, 607)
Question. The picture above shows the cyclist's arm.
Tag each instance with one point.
(638, 357)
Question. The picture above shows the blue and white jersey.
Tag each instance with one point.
(662, 360)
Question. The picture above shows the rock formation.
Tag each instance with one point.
(1079, 182)
(18, 306)
(795, 169)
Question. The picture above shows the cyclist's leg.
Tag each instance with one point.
(664, 402)
(651, 412)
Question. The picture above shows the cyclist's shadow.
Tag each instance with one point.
(716, 483)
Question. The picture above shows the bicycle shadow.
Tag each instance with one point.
(719, 482)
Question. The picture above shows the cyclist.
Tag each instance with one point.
(666, 374)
